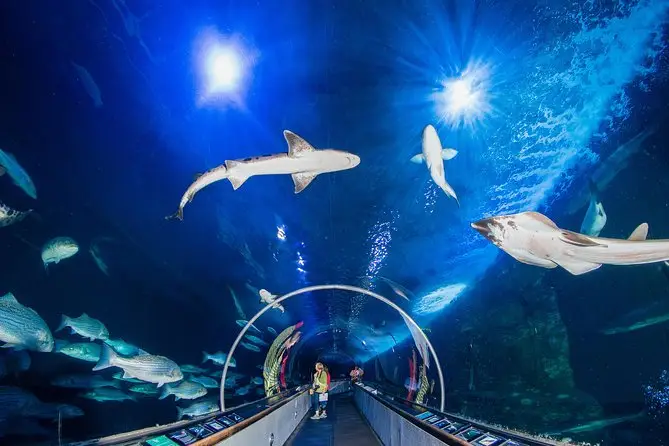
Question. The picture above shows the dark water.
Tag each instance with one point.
(547, 92)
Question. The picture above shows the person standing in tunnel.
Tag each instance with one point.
(319, 390)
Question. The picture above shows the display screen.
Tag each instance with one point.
(470, 434)
(424, 415)
(160, 441)
(454, 427)
(433, 419)
(489, 440)
(442, 424)
(182, 437)
(513, 443)
(200, 431)
(215, 425)
(225, 420)
(236, 418)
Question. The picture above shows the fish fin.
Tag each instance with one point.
(159, 385)
(176, 398)
(448, 154)
(237, 180)
(576, 239)
(197, 176)
(14, 346)
(178, 215)
(64, 320)
(180, 413)
(542, 218)
(9, 297)
(297, 146)
(107, 356)
(205, 357)
(141, 352)
(418, 159)
(577, 267)
(127, 375)
(640, 233)
(302, 180)
(115, 384)
(84, 315)
(167, 391)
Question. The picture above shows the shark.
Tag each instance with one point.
(534, 239)
(595, 217)
(303, 163)
(434, 155)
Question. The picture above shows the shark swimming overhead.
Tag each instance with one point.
(533, 238)
(434, 155)
(302, 162)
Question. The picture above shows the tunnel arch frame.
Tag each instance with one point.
(351, 288)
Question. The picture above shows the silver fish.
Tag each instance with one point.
(187, 390)
(9, 216)
(79, 381)
(189, 368)
(255, 340)
(107, 394)
(206, 381)
(271, 331)
(249, 346)
(124, 348)
(268, 298)
(257, 381)
(57, 249)
(84, 351)
(18, 175)
(201, 181)
(200, 408)
(242, 323)
(533, 238)
(22, 328)
(218, 358)
(85, 326)
(302, 162)
(144, 388)
(149, 368)
(92, 89)
(434, 155)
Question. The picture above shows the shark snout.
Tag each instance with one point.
(483, 226)
(354, 160)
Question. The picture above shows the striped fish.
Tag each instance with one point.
(22, 328)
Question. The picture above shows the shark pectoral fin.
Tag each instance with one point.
(302, 180)
(640, 233)
(296, 145)
(418, 159)
(448, 154)
(576, 239)
(577, 267)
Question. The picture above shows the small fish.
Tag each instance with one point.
(18, 175)
(595, 217)
(398, 289)
(201, 181)
(91, 88)
(79, 381)
(144, 388)
(249, 346)
(218, 358)
(243, 391)
(120, 376)
(187, 390)
(242, 323)
(434, 155)
(208, 382)
(9, 216)
(257, 381)
(197, 409)
(84, 351)
(148, 368)
(107, 394)
(57, 249)
(255, 340)
(124, 348)
(188, 368)
(22, 328)
(85, 326)
(271, 331)
(268, 298)
(95, 252)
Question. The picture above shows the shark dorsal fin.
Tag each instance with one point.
(639, 234)
(542, 218)
(296, 145)
(9, 297)
(578, 239)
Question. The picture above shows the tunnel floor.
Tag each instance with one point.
(344, 426)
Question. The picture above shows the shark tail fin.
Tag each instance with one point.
(178, 215)
(107, 356)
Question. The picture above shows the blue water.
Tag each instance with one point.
(552, 90)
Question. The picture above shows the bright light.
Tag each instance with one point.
(224, 70)
(438, 299)
(464, 100)
(281, 232)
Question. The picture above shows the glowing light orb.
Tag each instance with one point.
(464, 100)
(224, 69)
(438, 299)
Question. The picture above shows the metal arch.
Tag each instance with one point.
(308, 289)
